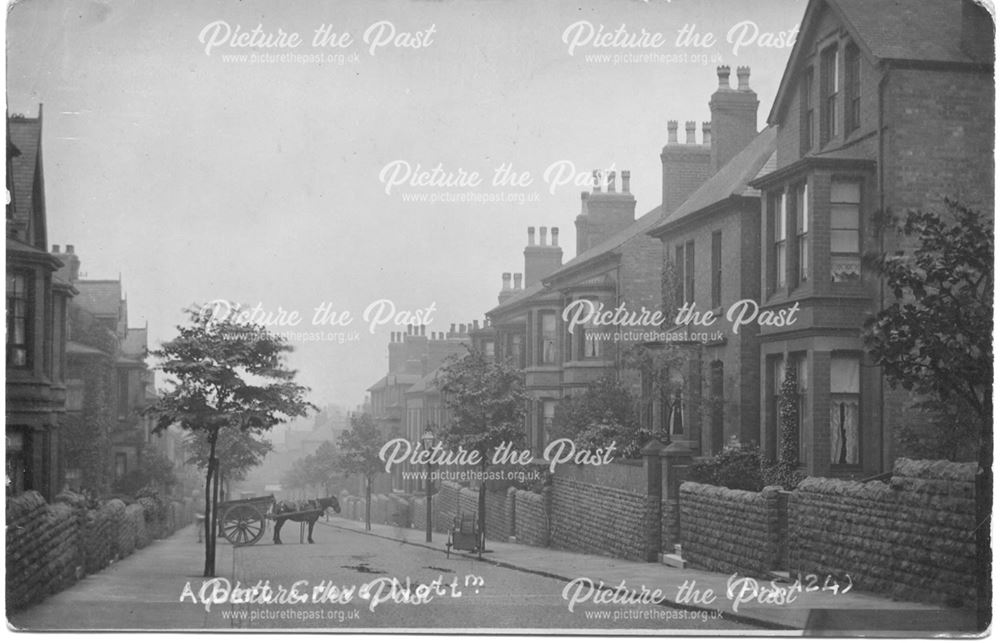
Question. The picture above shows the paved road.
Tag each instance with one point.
(468, 594)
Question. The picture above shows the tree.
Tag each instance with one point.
(314, 469)
(237, 452)
(154, 470)
(486, 401)
(229, 373)
(604, 413)
(936, 338)
(359, 449)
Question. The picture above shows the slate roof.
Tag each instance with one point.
(26, 136)
(100, 297)
(732, 179)
(425, 383)
(398, 378)
(918, 31)
(907, 29)
(612, 243)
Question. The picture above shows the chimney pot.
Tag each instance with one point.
(70, 250)
(531, 236)
(626, 180)
(55, 249)
(671, 131)
(706, 134)
(543, 236)
(409, 329)
(452, 329)
(743, 76)
(517, 280)
(506, 280)
(689, 128)
(475, 324)
(461, 329)
(423, 331)
(555, 236)
(597, 181)
(611, 181)
(723, 73)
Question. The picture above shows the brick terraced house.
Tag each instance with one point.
(883, 107)
(37, 301)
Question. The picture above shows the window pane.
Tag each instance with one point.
(804, 209)
(844, 433)
(845, 241)
(845, 375)
(844, 217)
(803, 258)
(845, 268)
(780, 264)
(845, 192)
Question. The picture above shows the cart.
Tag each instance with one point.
(464, 534)
(243, 522)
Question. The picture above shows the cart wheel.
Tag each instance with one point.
(243, 525)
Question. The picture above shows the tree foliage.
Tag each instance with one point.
(486, 402)
(226, 373)
(314, 469)
(936, 338)
(604, 413)
(238, 451)
(359, 449)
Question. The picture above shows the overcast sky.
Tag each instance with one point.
(198, 177)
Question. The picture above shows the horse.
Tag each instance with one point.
(308, 512)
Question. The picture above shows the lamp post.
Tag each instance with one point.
(427, 439)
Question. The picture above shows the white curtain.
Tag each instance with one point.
(844, 430)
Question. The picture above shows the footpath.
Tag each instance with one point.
(139, 592)
(817, 613)
(142, 591)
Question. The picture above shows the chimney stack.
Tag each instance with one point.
(70, 270)
(734, 117)
(723, 73)
(626, 184)
(541, 260)
(977, 37)
(743, 76)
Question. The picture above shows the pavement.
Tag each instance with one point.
(142, 592)
(814, 613)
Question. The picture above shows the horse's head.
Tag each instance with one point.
(331, 502)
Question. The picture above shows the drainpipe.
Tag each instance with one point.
(883, 82)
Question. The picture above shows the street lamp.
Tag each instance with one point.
(427, 439)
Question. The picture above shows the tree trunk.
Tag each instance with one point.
(368, 502)
(482, 510)
(210, 519)
(209, 562)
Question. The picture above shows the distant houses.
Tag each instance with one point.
(878, 112)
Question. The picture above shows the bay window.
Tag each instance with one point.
(845, 237)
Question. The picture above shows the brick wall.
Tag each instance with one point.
(531, 524)
(49, 547)
(729, 530)
(911, 539)
(594, 519)
(499, 514)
